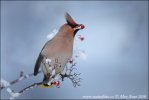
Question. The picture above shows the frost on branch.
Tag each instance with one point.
(52, 34)
(69, 72)
(4, 83)
(12, 93)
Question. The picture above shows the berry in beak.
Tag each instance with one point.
(82, 26)
(79, 27)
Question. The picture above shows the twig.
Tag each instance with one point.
(74, 77)
(17, 94)
(22, 77)
(30, 87)
(68, 72)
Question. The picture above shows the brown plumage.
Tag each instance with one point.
(58, 50)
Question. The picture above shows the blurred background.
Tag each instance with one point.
(116, 44)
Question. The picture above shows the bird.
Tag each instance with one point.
(56, 52)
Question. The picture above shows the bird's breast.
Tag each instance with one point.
(58, 47)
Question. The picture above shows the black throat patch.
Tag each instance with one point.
(73, 26)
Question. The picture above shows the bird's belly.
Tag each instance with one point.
(56, 66)
(59, 53)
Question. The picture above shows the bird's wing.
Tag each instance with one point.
(38, 61)
(37, 65)
(69, 20)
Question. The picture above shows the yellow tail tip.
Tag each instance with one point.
(43, 86)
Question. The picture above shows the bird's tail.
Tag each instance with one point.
(37, 65)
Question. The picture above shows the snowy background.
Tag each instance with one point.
(116, 44)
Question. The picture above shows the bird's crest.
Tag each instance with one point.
(69, 20)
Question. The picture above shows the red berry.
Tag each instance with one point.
(82, 26)
(81, 38)
(58, 83)
(54, 83)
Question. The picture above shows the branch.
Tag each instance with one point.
(68, 72)
(22, 77)
(16, 94)
(30, 87)
(74, 77)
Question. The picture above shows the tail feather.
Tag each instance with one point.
(37, 65)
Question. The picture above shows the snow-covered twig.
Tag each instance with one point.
(12, 93)
(16, 94)
(5, 83)
(30, 87)
(67, 72)
(52, 34)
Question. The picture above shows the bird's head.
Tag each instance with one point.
(76, 27)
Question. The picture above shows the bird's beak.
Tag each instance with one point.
(80, 27)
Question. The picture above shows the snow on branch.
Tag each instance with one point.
(68, 72)
(5, 83)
